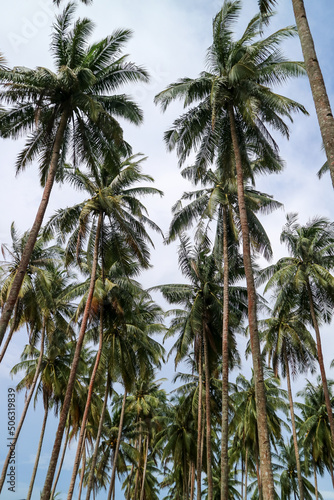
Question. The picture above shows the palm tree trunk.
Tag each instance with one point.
(29, 247)
(61, 461)
(192, 481)
(208, 417)
(293, 424)
(224, 430)
(25, 409)
(318, 88)
(258, 475)
(85, 415)
(10, 334)
(315, 481)
(139, 461)
(38, 454)
(260, 395)
(246, 472)
(119, 436)
(199, 427)
(70, 385)
(83, 466)
(97, 441)
(321, 363)
(144, 471)
(129, 483)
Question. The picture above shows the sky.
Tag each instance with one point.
(170, 38)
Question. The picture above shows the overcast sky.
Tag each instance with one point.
(170, 40)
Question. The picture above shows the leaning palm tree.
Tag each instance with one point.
(112, 217)
(307, 276)
(236, 107)
(317, 83)
(67, 109)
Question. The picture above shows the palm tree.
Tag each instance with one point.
(289, 345)
(39, 274)
(235, 107)
(245, 420)
(317, 83)
(66, 109)
(218, 199)
(112, 197)
(289, 486)
(314, 427)
(306, 274)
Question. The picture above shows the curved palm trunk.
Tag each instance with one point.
(293, 424)
(318, 88)
(224, 431)
(29, 247)
(10, 334)
(61, 461)
(208, 417)
(70, 385)
(144, 472)
(260, 395)
(85, 417)
(120, 430)
(321, 363)
(38, 454)
(97, 441)
(199, 428)
(25, 409)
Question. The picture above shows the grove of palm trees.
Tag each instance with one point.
(167, 250)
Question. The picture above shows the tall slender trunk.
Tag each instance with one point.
(317, 83)
(70, 385)
(85, 415)
(208, 416)
(293, 425)
(192, 481)
(61, 461)
(38, 454)
(199, 426)
(144, 471)
(119, 436)
(83, 466)
(321, 363)
(260, 395)
(29, 247)
(139, 460)
(258, 475)
(129, 483)
(25, 409)
(10, 334)
(315, 481)
(246, 472)
(224, 430)
(97, 441)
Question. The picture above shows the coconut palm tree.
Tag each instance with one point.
(306, 274)
(27, 310)
(290, 347)
(317, 83)
(244, 421)
(314, 427)
(236, 107)
(287, 468)
(67, 109)
(112, 197)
